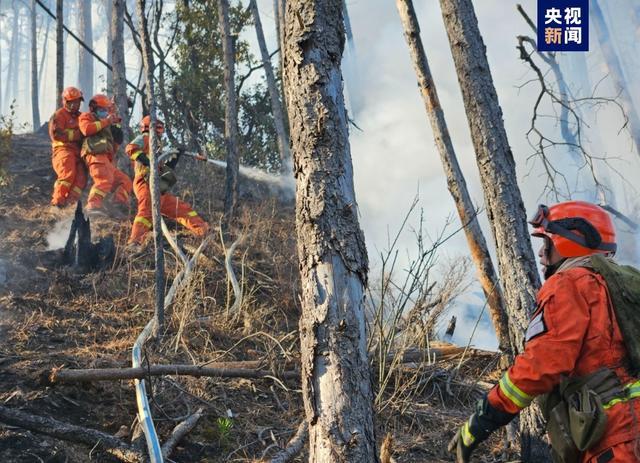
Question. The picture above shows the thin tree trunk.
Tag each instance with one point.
(21, 55)
(615, 70)
(118, 62)
(502, 194)
(85, 60)
(108, 16)
(147, 57)
(455, 179)
(1, 100)
(12, 55)
(43, 58)
(276, 105)
(282, 5)
(332, 255)
(231, 114)
(35, 109)
(59, 52)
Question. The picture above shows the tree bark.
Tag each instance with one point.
(332, 255)
(69, 432)
(35, 108)
(85, 60)
(147, 58)
(119, 75)
(502, 194)
(274, 95)
(615, 70)
(230, 115)
(59, 52)
(455, 179)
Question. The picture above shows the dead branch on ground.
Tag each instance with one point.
(180, 431)
(294, 447)
(116, 374)
(71, 432)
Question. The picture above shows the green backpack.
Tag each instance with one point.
(623, 282)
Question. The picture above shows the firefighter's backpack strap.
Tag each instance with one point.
(623, 283)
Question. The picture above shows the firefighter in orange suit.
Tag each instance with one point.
(103, 133)
(573, 334)
(66, 140)
(170, 206)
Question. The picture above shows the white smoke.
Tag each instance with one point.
(57, 237)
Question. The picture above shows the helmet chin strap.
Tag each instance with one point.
(550, 270)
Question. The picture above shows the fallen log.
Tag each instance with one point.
(114, 374)
(70, 432)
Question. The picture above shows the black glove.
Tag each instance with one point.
(476, 429)
(118, 135)
(143, 159)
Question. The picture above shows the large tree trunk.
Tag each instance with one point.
(331, 247)
(59, 52)
(147, 58)
(118, 63)
(230, 114)
(502, 195)
(276, 106)
(85, 60)
(35, 108)
(455, 178)
(615, 70)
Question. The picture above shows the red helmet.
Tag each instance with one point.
(100, 101)
(70, 94)
(146, 122)
(576, 228)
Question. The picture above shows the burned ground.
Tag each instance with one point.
(51, 317)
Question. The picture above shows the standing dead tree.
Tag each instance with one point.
(274, 95)
(35, 109)
(147, 58)
(455, 179)
(570, 111)
(615, 70)
(336, 380)
(230, 115)
(505, 209)
(572, 124)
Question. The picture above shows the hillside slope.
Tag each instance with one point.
(51, 317)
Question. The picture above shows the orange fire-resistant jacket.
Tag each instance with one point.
(573, 332)
(64, 130)
(170, 206)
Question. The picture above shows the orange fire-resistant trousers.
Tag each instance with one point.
(106, 179)
(71, 173)
(170, 207)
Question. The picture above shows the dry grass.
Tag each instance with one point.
(51, 317)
